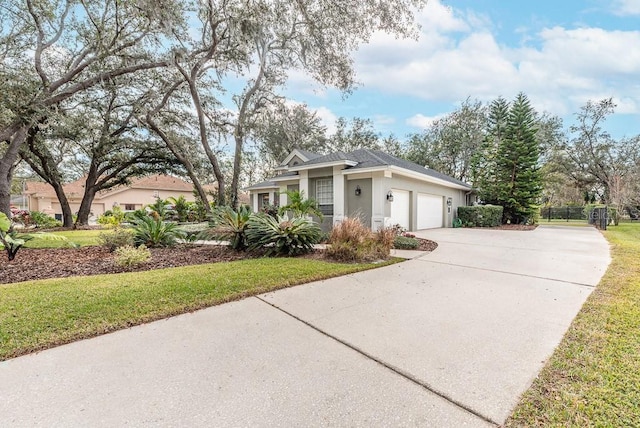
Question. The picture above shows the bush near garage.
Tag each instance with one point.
(406, 243)
(480, 216)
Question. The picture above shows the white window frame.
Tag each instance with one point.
(324, 191)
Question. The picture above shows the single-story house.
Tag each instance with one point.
(141, 192)
(379, 188)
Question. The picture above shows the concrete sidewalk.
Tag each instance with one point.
(451, 338)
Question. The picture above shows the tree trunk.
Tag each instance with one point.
(67, 214)
(87, 198)
(183, 160)
(46, 167)
(15, 136)
(85, 209)
(237, 164)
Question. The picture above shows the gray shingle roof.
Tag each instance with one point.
(371, 158)
(309, 155)
(367, 158)
(261, 185)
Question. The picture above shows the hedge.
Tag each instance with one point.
(480, 216)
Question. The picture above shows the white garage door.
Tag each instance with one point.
(400, 208)
(430, 211)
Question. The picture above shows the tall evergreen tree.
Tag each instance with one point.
(484, 162)
(517, 171)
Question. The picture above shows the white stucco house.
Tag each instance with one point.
(139, 193)
(379, 188)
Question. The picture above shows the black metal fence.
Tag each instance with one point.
(597, 216)
(563, 213)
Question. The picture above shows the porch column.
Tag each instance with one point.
(283, 196)
(304, 184)
(338, 195)
(254, 200)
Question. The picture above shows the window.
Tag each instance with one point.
(129, 207)
(263, 199)
(156, 194)
(324, 195)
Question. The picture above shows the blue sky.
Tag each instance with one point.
(561, 53)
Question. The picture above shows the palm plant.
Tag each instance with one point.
(161, 208)
(154, 232)
(230, 225)
(181, 207)
(298, 206)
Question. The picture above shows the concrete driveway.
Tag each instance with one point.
(450, 338)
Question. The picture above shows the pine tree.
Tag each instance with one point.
(518, 179)
(484, 163)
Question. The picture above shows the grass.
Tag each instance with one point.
(80, 237)
(41, 314)
(593, 378)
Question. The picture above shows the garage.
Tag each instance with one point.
(400, 208)
(430, 211)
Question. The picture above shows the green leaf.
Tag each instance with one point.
(5, 223)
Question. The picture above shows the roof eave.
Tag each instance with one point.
(304, 167)
(428, 178)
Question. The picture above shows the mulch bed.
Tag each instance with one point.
(32, 264)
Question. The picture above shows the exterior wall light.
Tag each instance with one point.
(390, 196)
(358, 191)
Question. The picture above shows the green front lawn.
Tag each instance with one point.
(80, 237)
(36, 315)
(593, 378)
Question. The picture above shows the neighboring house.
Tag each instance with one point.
(379, 188)
(142, 191)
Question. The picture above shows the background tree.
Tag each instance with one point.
(284, 127)
(357, 133)
(597, 163)
(72, 47)
(484, 161)
(518, 173)
(506, 169)
(449, 144)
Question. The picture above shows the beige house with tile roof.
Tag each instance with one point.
(142, 191)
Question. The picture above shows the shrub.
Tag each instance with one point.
(160, 209)
(40, 219)
(155, 233)
(480, 216)
(112, 218)
(181, 208)
(230, 225)
(406, 243)
(133, 215)
(129, 256)
(351, 241)
(280, 236)
(116, 238)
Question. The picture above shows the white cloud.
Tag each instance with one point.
(458, 56)
(626, 7)
(327, 117)
(423, 122)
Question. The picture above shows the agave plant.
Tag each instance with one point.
(230, 225)
(155, 233)
(280, 236)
